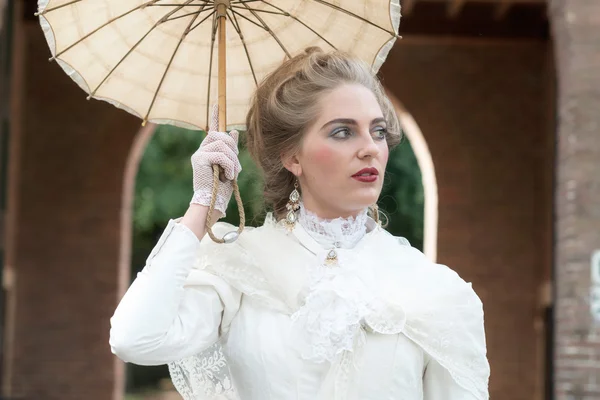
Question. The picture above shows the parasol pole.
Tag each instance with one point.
(221, 7)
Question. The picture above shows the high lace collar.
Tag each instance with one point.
(338, 232)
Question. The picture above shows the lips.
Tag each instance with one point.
(366, 172)
(366, 175)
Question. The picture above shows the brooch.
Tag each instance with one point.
(332, 258)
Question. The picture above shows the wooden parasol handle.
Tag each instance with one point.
(217, 170)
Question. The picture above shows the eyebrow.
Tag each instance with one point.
(350, 121)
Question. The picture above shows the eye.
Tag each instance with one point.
(380, 133)
(341, 133)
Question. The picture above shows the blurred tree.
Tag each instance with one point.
(163, 190)
(402, 198)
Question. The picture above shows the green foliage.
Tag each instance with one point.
(402, 198)
(164, 181)
(164, 188)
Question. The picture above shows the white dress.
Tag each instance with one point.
(269, 318)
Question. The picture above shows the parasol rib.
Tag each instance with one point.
(210, 65)
(177, 5)
(238, 29)
(263, 11)
(186, 15)
(236, 26)
(102, 26)
(301, 22)
(162, 79)
(160, 21)
(269, 30)
(203, 4)
(203, 19)
(338, 8)
(248, 19)
(57, 7)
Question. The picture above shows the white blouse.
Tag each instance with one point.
(269, 318)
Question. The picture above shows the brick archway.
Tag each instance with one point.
(138, 147)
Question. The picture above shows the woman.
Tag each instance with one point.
(320, 302)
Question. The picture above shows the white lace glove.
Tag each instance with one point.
(217, 148)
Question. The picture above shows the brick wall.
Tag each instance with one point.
(576, 27)
(70, 188)
(483, 111)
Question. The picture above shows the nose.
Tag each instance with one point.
(368, 147)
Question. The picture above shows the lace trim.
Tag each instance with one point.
(339, 232)
(204, 376)
(203, 197)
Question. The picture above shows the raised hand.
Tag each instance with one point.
(218, 148)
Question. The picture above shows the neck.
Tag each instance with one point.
(329, 213)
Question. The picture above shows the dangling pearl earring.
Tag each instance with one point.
(292, 206)
(375, 214)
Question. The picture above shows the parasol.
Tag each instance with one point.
(157, 59)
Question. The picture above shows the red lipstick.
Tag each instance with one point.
(366, 175)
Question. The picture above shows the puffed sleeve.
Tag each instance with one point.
(163, 317)
(439, 385)
(444, 316)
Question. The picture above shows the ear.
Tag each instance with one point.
(292, 164)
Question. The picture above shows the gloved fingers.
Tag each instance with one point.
(229, 140)
(214, 118)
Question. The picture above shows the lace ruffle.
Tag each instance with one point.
(341, 303)
(339, 232)
(204, 376)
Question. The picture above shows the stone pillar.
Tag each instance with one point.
(576, 28)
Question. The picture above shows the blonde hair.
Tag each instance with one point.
(286, 103)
